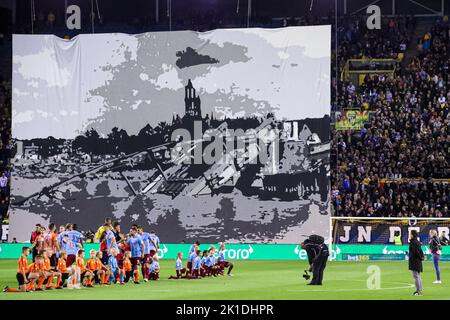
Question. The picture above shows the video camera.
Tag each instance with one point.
(306, 275)
(89, 235)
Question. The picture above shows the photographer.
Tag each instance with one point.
(318, 254)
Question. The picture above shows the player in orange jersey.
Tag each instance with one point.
(50, 272)
(127, 267)
(91, 264)
(50, 244)
(102, 272)
(44, 267)
(63, 270)
(35, 272)
(22, 275)
(85, 275)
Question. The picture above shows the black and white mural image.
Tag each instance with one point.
(222, 135)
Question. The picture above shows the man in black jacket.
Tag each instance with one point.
(416, 257)
(317, 258)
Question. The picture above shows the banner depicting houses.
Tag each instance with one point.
(215, 136)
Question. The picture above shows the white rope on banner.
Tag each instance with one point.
(33, 16)
(389, 218)
(249, 12)
(92, 16)
(169, 13)
(98, 10)
(237, 7)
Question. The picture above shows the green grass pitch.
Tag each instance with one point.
(259, 280)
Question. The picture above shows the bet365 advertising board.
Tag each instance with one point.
(269, 252)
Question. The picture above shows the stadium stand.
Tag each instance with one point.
(5, 146)
(398, 164)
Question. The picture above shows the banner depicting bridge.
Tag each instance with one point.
(222, 135)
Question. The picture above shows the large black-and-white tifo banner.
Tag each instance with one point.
(222, 135)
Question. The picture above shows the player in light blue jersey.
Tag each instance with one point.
(194, 247)
(196, 265)
(154, 243)
(202, 270)
(110, 238)
(114, 270)
(191, 257)
(222, 262)
(74, 235)
(75, 238)
(146, 238)
(154, 268)
(210, 263)
(137, 249)
(136, 244)
(68, 246)
(181, 272)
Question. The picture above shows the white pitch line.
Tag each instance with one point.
(159, 290)
(407, 286)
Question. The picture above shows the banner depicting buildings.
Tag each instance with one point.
(222, 135)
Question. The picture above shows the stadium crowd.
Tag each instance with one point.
(5, 146)
(407, 136)
(59, 259)
(397, 165)
(356, 41)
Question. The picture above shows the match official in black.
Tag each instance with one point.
(415, 259)
(317, 256)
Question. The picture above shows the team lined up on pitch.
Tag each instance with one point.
(59, 260)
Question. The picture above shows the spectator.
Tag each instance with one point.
(51, 19)
(397, 165)
(3, 182)
(443, 239)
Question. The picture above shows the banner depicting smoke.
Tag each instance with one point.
(222, 135)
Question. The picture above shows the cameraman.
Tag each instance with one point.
(317, 258)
